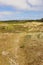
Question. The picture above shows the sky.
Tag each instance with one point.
(21, 9)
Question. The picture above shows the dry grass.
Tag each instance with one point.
(23, 48)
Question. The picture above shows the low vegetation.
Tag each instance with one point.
(21, 42)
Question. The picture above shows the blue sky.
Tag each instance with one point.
(21, 9)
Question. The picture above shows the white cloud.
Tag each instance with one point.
(24, 4)
(9, 12)
(36, 2)
(6, 13)
(16, 3)
(9, 15)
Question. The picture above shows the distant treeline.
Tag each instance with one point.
(39, 20)
(23, 21)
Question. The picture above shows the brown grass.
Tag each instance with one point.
(23, 48)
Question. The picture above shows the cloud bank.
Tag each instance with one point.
(21, 9)
(24, 4)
